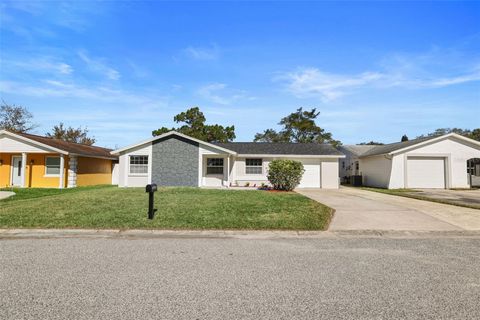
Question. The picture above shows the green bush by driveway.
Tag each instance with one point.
(178, 208)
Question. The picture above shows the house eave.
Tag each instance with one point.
(151, 140)
(249, 155)
(36, 143)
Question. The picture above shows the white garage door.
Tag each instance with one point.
(425, 172)
(311, 176)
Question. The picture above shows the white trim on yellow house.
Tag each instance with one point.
(35, 143)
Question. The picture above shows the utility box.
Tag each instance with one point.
(356, 181)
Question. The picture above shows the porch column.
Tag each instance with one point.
(228, 171)
(62, 167)
(72, 172)
(23, 169)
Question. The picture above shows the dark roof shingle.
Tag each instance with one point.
(316, 149)
(387, 148)
(70, 147)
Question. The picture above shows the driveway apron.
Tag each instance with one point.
(357, 209)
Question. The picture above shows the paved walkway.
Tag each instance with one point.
(358, 209)
(6, 194)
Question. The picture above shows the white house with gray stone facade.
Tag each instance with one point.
(175, 159)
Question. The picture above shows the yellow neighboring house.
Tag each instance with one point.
(28, 160)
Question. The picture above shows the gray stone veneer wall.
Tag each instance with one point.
(175, 162)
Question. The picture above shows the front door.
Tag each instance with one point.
(17, 171)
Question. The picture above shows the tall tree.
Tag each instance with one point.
(194, 126)
(404, 138)
(15, 118)
(70, 134)
(300, 127)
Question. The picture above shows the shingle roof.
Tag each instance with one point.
(281, 148)
(356, 149)
(70, 147)
(387, 148)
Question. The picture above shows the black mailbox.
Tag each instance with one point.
(150, 189)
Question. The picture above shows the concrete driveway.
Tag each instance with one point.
(463, 197)
(358, 209)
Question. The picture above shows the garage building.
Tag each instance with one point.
(440, 162)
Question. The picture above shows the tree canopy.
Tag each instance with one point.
(15, 118)
(404, 138)
(194, 126)
(370, 143)
(300, 127)
(472, 134)
(70, 134)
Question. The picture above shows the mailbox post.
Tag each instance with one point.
(151, 188)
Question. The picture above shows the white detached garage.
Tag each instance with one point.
(434, 162)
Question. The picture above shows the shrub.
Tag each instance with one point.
(285, 174)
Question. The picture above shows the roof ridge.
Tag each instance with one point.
(60, 140)
(264, 142)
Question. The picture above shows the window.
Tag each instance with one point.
(253, 166)
(138, 164)
(215, 166)
(357, 165)
(343, 164)
(52, 166)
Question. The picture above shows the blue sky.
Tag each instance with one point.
(375, 70)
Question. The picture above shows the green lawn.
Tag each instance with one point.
(106, 207)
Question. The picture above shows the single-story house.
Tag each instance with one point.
(28, 160)
(175, 159)
(447, 161)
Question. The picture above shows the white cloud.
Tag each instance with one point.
(42, 64)
(435, 68)
(202, 53)
(64, 68)
(328, 86)
(119, 115)
(442, 82)
(313, 82)
(98, 66)
(57, 89)
(220, 93)
(210, 92)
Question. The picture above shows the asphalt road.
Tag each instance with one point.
(342, 278)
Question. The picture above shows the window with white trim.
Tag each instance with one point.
(138, 165)
(52, 166)
(215, 166)
(253, 166)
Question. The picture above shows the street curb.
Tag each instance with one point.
(235, 234)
